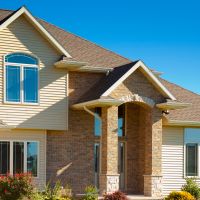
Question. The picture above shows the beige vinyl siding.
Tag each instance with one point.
(51, 113)
(31, 135)
(172, 159)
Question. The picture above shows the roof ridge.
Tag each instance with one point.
(87, 40)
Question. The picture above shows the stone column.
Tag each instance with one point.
(109, 177)
(153, 155)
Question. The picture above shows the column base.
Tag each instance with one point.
(153, 186)
(108, 183)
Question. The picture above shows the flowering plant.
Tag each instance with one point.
(16, 186)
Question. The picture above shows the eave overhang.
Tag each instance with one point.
(181, 123)
(172, 105)
(97, 103)
(72, 65)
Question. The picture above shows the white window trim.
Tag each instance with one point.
(198, 160)
(25, 155)
(196, 141)
(21, 65)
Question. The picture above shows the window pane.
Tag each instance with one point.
(30, 84)
(32, 157)
(96, 157)
(21, 58)
(121, 157)
(13, 83)
(121, 121)
(97, 123)
(191, 160)
(96, 163)
(18, 157)
(4, 158)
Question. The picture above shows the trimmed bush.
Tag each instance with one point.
(180, 196)
(115, 196)
(15, 187)
(91, 193)
(192, 187)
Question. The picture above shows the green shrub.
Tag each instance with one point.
(91, 193)
(51, 193)
(180, 196)
(15, 187)
(192, 187)
(115, 196)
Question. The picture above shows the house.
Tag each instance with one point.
(74, 111)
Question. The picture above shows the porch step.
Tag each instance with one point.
(141, 197)
(138, 197)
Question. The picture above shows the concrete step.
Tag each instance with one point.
(138, 197)
(141, 197)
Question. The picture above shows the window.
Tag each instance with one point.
(191, 159)
(4, 158)
(97, 163)
(121, 121)
(18, 157)
(32, 157)
(97, 122)
(192, 152)
(21, 78)
(24, 154)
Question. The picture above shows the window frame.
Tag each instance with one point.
(185, 159)
(25, 155)
(21, 66)
(190, 137)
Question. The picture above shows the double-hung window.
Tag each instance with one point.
(19, 157)
(21, 78)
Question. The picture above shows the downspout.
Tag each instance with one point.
(92, 113)
(98, 117)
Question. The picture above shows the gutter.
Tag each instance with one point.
(173, 105)
(72, 65)
(97, 103)
(182, 123)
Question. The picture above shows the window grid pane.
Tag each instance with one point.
(97, 122)
(30, 84)
(32, 158)
(21, 58)
(191, 159)
(18, 157)
(13, 83)
(4, 158)
(121, 121)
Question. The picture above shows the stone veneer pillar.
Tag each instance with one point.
(153, 155)
(109, 177)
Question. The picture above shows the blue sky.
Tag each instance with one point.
(164, 34)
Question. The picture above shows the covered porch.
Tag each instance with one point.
(131, 161)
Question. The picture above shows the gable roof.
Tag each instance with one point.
(108, 83)
(8, 19)
(80, 49)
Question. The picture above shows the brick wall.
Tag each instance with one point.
(70, 154)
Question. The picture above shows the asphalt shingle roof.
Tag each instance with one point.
(86, 51)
